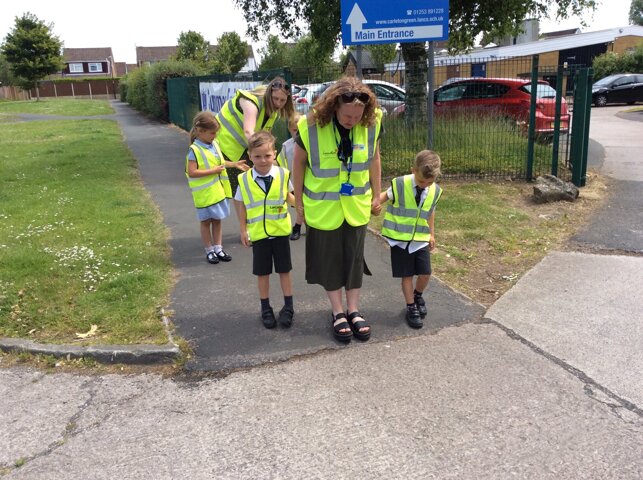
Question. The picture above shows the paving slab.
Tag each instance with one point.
(585, 310)
(467, 402)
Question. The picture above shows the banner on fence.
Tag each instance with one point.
(215, 94)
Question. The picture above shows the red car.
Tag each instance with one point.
(503, 96)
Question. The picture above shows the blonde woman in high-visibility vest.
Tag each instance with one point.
(205, 169)
(409, 227)
(337, 181)
(264, 223)
(249, 112)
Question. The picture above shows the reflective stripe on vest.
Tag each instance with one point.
(325, 208)
(210, 189)
(402, 217)
(282, 161)
(232, 138)
(266, 214)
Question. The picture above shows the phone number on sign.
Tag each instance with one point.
(425, 11)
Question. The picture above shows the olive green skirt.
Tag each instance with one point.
(335, 258)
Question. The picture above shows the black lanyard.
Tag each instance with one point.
(348, 162)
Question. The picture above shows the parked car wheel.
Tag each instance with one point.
(601, 101)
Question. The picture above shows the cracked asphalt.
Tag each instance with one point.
(547, 385)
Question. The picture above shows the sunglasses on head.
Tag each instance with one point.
(351, 96)
(279, 85)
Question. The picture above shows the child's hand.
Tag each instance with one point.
(219, 169)
(245, 241)
(432, 245)
(241, 165)
(376, 208)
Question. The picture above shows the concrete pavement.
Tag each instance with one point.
(469, 402)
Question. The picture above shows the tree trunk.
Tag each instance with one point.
(415, 61)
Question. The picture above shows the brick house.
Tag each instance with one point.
(88, 62)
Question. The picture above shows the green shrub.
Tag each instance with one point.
(610, 63)
(136, 88)
(156, 76)
(122, 89)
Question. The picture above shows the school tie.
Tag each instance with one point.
(418, 195)
(267, 180)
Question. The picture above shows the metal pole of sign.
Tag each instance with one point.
(358, 59)
(429, 95)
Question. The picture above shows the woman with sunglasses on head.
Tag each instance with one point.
(337, 185)
(249, 112)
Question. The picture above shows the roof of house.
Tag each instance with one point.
(154, 54)
(553, 44)
(532, 48)
(561, 33)
(87, 54)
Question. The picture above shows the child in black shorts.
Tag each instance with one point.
(409, 228)
(264, 223)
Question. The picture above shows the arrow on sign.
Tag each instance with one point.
(356, 19)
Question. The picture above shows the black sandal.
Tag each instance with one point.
(357, 325)
(337, 329)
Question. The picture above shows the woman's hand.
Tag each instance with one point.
(432, 244)
(301, 219)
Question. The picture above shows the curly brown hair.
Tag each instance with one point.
(324, 110)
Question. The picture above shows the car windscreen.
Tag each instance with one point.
(543, 91)
(603, 82)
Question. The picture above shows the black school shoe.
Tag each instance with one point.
(296, 232)
(211, 257)
(223, 257)
(286, 315)
(413, 317)
(421, 306)
(268, 318)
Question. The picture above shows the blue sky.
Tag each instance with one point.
(123, 25)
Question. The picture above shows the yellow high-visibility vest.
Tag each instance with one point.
(266, 214)
(404, 220)
(325, 208)
(231, 137)
(210, 189)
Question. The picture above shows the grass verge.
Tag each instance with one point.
(57, 106)
(490, 233)
(81, 243)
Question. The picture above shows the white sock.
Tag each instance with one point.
(217, 248)
(209, 249)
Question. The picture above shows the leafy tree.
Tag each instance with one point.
(6, 76)
(275, 55)
(382, 54)
(467, 19)
(231, 53)
(192, 46)
(636, 12)
(32, 50)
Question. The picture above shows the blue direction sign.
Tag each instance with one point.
(385, 21)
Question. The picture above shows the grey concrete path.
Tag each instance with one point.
(216, 307)
(470, 402)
